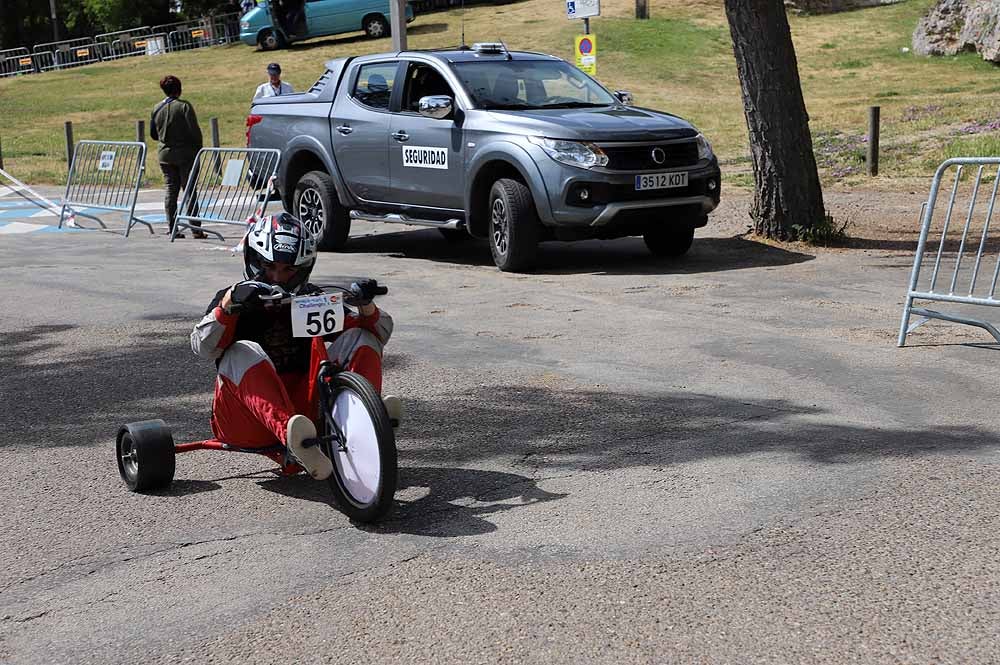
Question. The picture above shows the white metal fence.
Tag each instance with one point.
(226, 186)
(105, 175)
(964, 266)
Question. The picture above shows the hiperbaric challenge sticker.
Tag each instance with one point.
(423, 157)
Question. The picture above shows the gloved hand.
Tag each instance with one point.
(362, 292)
(247, 294)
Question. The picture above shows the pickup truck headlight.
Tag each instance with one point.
(244, 25)
(573, 153)
(704, 147)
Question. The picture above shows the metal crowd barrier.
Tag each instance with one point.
(44, 61)
(14, 61)
(967, 257)
(123, 43)
(227, 27)
(198, 33)
(69, 53)
(226, 186)
(206, 31)
(105, 175)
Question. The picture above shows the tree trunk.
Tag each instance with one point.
(787, 188)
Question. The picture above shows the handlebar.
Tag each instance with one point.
(276, 295)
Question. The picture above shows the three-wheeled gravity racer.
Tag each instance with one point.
(353, 426)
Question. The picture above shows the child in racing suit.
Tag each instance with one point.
(262, 389)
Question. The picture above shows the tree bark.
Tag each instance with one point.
(787, 188)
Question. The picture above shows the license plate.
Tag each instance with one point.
(661, 180)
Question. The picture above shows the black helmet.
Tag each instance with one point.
(279, 239)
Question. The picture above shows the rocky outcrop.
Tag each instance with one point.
(953, 26)
(831, 6)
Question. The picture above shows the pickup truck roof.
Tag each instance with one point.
(322, 91)
(449, 55)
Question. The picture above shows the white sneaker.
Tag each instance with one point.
(312, 458)
(394, 408)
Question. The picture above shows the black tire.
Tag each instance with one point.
(670, 241)
(315, 203)
(513, 226)
(375, 26)
(454, 236)
(269, 40)
(146, 457)
(379, 505)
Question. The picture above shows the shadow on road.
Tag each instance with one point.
(544, 430)
(53, 397)
(625, 256)
(456, 501)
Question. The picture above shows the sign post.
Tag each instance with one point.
(584, 9)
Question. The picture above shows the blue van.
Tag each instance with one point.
(274, 24)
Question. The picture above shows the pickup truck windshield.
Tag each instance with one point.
(530, 84)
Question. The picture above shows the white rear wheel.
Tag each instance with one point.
(364, 464)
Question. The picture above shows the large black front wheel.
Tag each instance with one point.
(363, 448)
(146, 457)
(315, 203)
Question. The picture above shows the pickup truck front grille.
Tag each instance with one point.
(641, 158)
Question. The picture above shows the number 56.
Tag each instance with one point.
(316, 326)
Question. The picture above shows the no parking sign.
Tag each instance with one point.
(586, 53)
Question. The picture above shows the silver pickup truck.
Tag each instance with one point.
(515, 147)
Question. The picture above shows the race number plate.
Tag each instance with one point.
(661, 180)
(313, 316)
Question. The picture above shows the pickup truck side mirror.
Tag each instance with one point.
(435, 106)
(624, 96)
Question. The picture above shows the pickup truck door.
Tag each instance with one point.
(426, 155)
(359, 127)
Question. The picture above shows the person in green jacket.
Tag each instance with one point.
(174, 124)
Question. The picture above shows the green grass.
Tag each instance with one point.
(972, 146)
(852, 64)
(680, 61)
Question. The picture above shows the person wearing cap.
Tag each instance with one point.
(275, 87)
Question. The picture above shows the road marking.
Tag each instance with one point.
(10, 228)
(6, 189)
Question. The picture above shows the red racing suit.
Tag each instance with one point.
(264, 371)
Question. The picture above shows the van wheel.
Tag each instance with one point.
(269, 40)
(375, 26)
(513, 226)
(315, 204)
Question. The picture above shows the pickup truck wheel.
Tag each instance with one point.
(669, 240)
(375, 26)
(315, 204)
(513, 226)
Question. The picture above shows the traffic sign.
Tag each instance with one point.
(582, 8)
(586, 53)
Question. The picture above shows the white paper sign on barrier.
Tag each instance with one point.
(107, 162)
(234, 169)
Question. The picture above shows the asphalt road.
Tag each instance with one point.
(617, 459)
